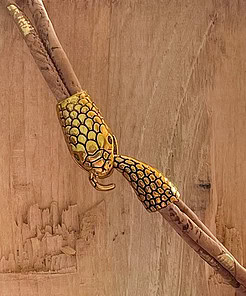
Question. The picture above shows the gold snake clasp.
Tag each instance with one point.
(95, 149)
(89, 139)
(151, 187)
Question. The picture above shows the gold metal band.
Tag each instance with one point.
(89, 139)
(95, 149)
(152, 188)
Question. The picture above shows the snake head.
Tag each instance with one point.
(99, 156)
(89, 139)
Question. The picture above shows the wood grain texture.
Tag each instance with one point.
(169, 78)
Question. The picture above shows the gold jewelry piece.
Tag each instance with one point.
(95, 149)
(152, 188)
(88, 137)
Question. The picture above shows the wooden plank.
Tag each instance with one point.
(169, 78)
(228, 109)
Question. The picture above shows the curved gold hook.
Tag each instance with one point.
(93, 178)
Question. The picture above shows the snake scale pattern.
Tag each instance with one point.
(152, 188)
(89, 139)
(94, 148)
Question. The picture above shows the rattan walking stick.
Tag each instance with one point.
(94, 147)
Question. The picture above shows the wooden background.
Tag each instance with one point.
(170, 78)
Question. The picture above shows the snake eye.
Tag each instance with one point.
(110, 139)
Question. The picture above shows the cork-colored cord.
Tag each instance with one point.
(48, 36)
(94, 146)
(38, 51)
